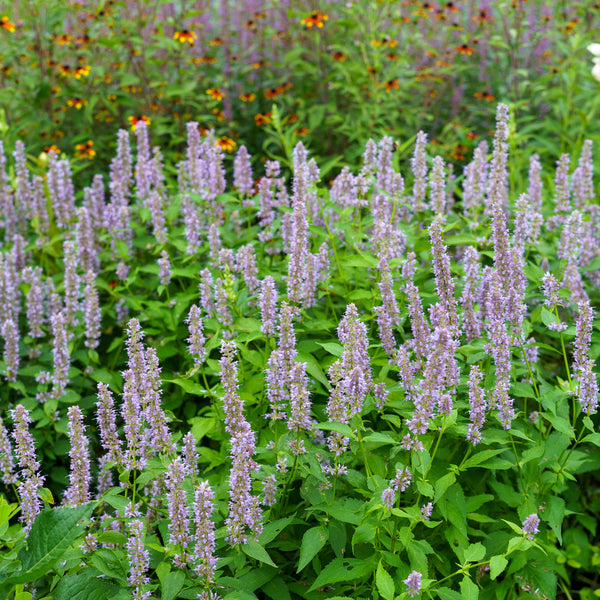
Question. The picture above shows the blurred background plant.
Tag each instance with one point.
(73, 73)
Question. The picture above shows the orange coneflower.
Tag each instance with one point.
(185, 36)
(392, 84)
(77, 102)
(484, 96)
(471, 135)
(80, 72)
(65, 70)
(262, 118)
(218, 113)
(61, 39)
(392, 56)
(302, 131)
(339, 56)
(204, 60)
(216, 42)
(52, 148)
(215, 94)
(483, 16)
(464, 49)
(316, 18)
(134, 120)
(226, 144)
(250, 24)
(85, 150)
(291, 119)
(247, 97)
(7, 24)
(272, 93)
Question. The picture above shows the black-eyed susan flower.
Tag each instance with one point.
(204, 60)
(272, 93)
(65, 70)
(300, 131)
(293, 118)
(185, 36)
(61, 39)
(247, 97)
(392, 84)
(85, 150)
(262, 118)
(216, 42)
(316, 19)
(483, 16)
(52, 148)
(484, 96)
(80, 72)
(78, 103)
(226, 144)
(7, 24)
(464, 49)
(218, 113)
(215, 94)
(134, 120)
(258, 64)
(339, 56)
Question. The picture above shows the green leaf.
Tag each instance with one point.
(475, 552)
(560, 424)
(339, 428)
(445, 593)
(497, 565)
(342, 570)
(442, 484)
(255, 550)
(480, 458)
(332, 347)
(469, 589)
(312, 541)
(385, 583)
(172, 584)
(84, 586)
(53, 531)
(272, 530)
(554, 514)
(593, 438)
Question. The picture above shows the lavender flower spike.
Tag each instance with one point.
(196, 340)
(205, 532)
(413, 583)
(7, 467)
(139, 560)
(178, 512)
(530, 526)
(79, 491)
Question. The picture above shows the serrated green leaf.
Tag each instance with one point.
(53, 531)
(312, 541)
(255, 550)
(497, 565)
(442, 484)
(445, 593)
(468, 589)
(272, 530)
(475, 552)
(554, 514)
(338, 428)
(342, 570)
(480, 458)
(84, 586)
(172, 584)
(385, 583)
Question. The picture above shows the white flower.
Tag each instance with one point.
(594, 49)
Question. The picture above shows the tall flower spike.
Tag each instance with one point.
(443, 277)
(205, 533)
(178, 512)
(478, 405)
(242, 172)
(10, 333)
(107, 422)
(30, 478)
(268, 306)
(196, 340)
(79, 491)
(7, 466)
(139, 560)
(497, 192)
(91, 311)
(418, 165)
(244, 508)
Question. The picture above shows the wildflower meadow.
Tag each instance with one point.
(283, 356)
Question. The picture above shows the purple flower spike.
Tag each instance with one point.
(530, 526)
(413, 583)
